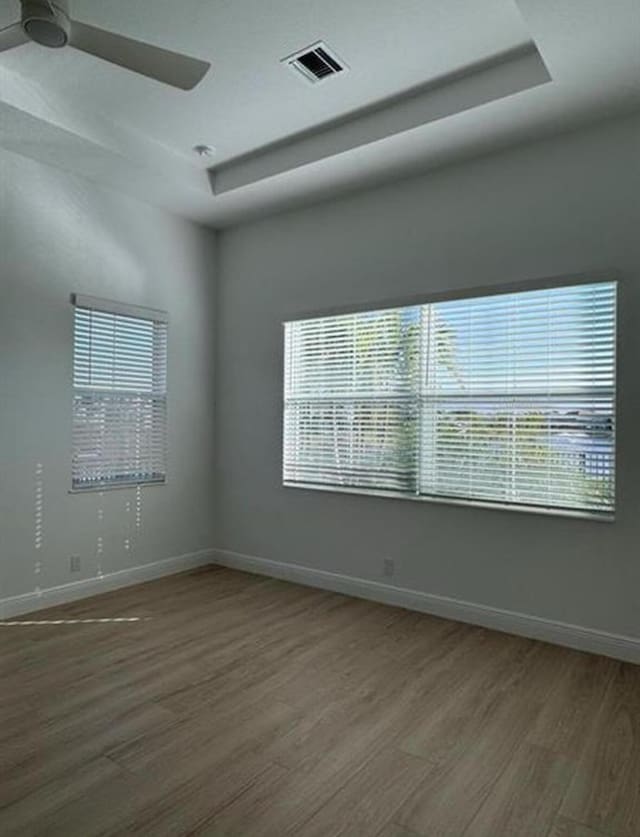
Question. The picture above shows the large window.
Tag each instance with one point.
(119, 395)
(506, 399)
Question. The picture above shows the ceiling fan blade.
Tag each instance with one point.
(12, 36)
(160, 64)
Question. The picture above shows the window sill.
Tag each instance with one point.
(597, 517)
(124, 485)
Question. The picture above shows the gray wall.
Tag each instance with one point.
(561, 206)
(60, 234)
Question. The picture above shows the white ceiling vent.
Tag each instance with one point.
(316, 62)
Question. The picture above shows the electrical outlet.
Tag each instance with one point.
(74, 563)
(388, 567)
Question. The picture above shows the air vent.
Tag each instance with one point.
(316, 62)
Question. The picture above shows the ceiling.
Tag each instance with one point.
(428, 82)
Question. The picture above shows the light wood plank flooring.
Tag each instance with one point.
(228, 705)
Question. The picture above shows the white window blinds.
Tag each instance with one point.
(119, 394)
(506, 399)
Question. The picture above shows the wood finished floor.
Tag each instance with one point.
(240, 706)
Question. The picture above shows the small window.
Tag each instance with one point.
(119, 395)
(505, 400)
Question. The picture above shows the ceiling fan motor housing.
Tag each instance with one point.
(45, 23)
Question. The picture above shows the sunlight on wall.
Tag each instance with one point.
(138, 508)
(39, 506)
(38, 520)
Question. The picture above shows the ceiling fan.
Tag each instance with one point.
(48, 23)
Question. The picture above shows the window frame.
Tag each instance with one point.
(548, 283)
(108, 306)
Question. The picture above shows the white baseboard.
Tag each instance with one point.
(28, 602)
(559, 633)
